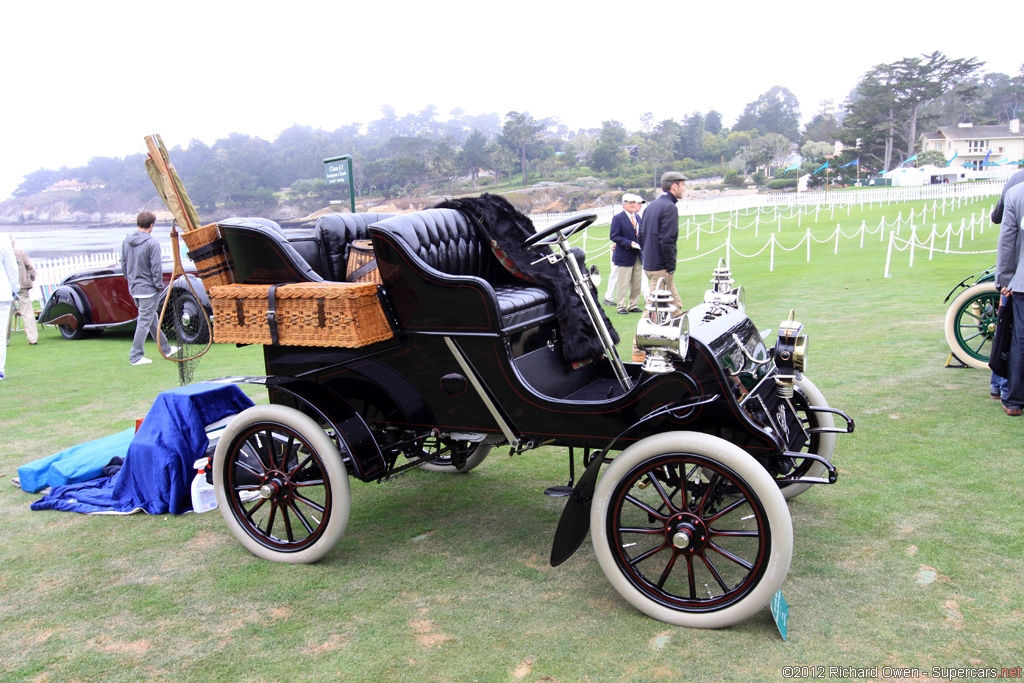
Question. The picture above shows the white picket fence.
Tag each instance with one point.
(760, 210)
(816, 200)
(51, 272)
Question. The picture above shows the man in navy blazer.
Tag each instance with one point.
(626, 258)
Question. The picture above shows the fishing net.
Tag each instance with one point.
(183, 320)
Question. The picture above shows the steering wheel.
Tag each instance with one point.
(568, 228)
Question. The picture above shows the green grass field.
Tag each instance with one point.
(913, 559)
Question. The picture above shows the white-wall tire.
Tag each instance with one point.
(304, 506)
(635, 544)
(970, 324)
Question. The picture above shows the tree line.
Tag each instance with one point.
(394, 156)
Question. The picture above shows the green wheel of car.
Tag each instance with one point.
(971, 324)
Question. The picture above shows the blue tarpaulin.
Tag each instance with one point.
(157, 471)
(82, 462)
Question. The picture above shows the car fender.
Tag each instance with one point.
(66, 300)
(365, 461)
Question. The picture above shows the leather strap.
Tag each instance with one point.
(362, 270)
(272, 315)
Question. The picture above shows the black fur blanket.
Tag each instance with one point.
(499, 221)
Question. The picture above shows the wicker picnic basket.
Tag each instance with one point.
(339, 314)
(209, 252)
(362, 264)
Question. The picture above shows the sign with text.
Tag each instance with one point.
(336, 170)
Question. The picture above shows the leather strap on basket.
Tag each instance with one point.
(272, 315)
(362, 270)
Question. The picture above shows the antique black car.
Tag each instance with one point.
(698, 446)
(90, 301)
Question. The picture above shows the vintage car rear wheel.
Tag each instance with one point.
(971, 324)
(444, 464)
(691, 530)
(281, 485)
(824, 445)
(73, 333)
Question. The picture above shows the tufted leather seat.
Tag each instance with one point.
(334, 232)
(435, 254)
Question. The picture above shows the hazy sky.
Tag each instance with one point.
(92, 79)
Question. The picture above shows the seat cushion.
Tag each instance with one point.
(519, 305)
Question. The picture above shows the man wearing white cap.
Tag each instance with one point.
(626, 258)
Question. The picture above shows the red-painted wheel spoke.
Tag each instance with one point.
(690, 577)
(714, 572)
(647, 508)
(643, 556)
(286, 518)
(712, 485)
(319, 508)
(661, 492)
(726, 510)
(302, 518)
(730, 556)
(668, 570)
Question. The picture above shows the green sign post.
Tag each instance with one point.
(339, 170)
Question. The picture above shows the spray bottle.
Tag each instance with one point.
(204, 498)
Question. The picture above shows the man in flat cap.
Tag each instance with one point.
(660, 234)
(626, 259)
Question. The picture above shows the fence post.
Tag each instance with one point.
(931, 247)
(771, 257)
(888, 255)
(913, 241)
(838, 230)
(808, 237)
(863, 229)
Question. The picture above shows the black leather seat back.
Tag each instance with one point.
(334, 232)
(261, 255)
(445, 240)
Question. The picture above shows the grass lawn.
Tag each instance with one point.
(913, 559)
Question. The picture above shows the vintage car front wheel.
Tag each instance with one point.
(971, 324)
(821, 444)
(281, 485)
(691, 530)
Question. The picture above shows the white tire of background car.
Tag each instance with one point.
(952, 320)
(739, 461)
(826, 441)
(333, 469)
(477, 457)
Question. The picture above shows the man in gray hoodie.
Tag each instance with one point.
(141, 262)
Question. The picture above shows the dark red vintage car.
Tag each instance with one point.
(93, 300)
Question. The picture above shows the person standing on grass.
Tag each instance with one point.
(26, 276)
(659, 235)
(626, 260)
(141, 262)
(1010, 282)
(8, 292)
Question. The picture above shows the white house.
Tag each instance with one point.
(971, 144)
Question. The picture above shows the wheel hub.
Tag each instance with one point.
(276, 485)
(687, 532)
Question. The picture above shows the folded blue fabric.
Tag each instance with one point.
(157, 471)
(82, 462)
